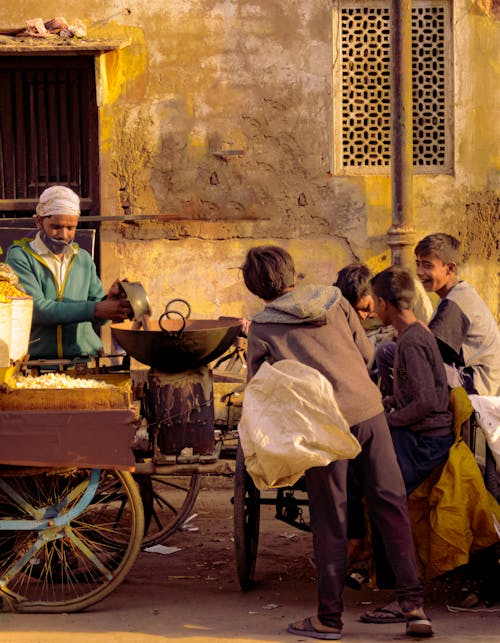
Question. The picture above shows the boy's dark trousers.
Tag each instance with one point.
(381, 482)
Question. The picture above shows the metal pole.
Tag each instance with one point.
(401, 234)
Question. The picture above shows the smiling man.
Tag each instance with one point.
(68, 296)
(466, 331)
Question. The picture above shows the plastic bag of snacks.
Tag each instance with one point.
(5, 326)
(21, 314)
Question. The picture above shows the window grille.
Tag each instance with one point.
(48, 130)
(362, 109)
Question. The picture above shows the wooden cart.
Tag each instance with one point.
(72, 518)
(76, 489)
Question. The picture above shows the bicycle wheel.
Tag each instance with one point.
(68, 565)
(246, 522)
(171, 498)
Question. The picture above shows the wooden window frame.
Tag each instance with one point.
(48, 130)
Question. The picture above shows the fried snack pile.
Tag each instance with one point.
(58, 380)
(8, 291)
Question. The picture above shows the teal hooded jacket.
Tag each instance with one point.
(62, 318)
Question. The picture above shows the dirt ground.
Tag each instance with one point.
(193, 595)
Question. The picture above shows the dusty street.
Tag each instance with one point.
(193, 596)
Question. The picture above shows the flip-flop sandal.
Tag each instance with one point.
(313, 628)
(418, 626)
(385, 614)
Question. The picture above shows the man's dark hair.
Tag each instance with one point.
(444, 246)
(268, 271)
(396, 286)
(354, 282)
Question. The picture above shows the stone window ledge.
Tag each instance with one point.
(28, 46)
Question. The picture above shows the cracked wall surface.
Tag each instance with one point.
(217, 120)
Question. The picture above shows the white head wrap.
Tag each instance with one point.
(58, 200)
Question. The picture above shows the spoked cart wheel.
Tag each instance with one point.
(246, 522)
(170, 499)
(68, 537)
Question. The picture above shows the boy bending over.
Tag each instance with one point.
(354, 282)
(315, 325)
(418, 412)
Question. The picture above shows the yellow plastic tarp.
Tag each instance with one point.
(452, 513)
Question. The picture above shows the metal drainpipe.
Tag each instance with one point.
(401, 234)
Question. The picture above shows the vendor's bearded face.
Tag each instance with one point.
(60, 229)
(57, 216)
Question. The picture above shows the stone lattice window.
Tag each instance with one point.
(362, 77)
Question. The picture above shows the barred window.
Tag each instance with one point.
(48, 130)
(362, 80)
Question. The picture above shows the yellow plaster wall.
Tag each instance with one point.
(203, 78)
(206, 273)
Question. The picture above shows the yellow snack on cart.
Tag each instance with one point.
(8, 290)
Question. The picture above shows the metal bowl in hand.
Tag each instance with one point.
(137, 298)
(168, 350)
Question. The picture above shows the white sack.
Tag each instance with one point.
(487, 409)
(291, 422)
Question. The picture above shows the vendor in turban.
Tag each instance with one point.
(68, 297)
